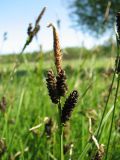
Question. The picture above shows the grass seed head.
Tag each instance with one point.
(51, 85)
(61, 83)
(32, 32)
(29, 30)
(69, 106)
(35, 31)
(57, 49)
(40, 16)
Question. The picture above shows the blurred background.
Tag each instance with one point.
(87, 32)
(70, 17)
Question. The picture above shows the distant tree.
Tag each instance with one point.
(93, 15)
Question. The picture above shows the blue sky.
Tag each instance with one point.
(15, 15)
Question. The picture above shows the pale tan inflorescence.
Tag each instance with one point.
(57, 49)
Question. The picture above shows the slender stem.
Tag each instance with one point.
(60, 132)
(111, 126)
(98, 135)
(110, 90)
(61, 143)
(103, 114)
(117, 61)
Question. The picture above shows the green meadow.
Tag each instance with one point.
(28, 106)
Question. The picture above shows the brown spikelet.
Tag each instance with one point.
(57, 49)
(29, 30)
(68, 106)
(51, 85)
(61, 83)
(33, 31)
(36, 29)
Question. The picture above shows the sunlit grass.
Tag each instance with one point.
(28, 104)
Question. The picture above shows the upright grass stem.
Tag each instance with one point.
(110, 90)
(88, 144)
(60, 131)
(57, 88)
(13, 70)
(98, 133)
(105, 108)
(113, 114)
(61, 143)
(28, 41)
(115, 100)
(100, 127)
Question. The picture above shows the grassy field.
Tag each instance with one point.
(28, 105)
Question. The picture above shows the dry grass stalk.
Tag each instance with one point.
(100, 153)
(18, 154)
(100, 147)
(33, 31)
(107, 12)
(40, 16)
(57, 49)
(31, 34)
(35, 127)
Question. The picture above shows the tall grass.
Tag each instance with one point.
(33, 127)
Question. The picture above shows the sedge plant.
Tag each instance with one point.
(31, 32)
(57, 88)
(117, 72)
